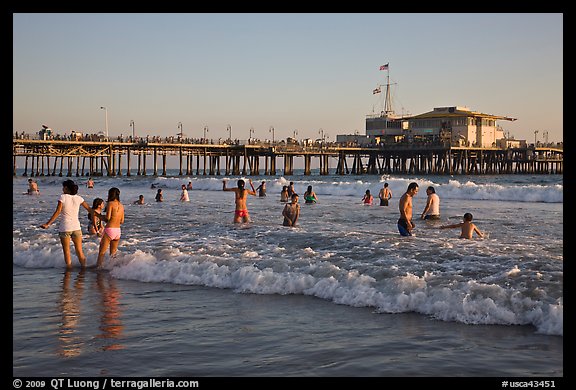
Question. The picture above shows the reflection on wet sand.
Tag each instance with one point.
(70, 343)
(110, 320)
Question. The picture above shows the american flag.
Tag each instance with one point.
(384, 67)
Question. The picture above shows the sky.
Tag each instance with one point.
(303, 75)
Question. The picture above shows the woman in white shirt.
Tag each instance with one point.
(70, 229)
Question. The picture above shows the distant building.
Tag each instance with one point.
(456, 125)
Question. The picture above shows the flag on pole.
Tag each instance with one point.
(377, 90)
(384, 67)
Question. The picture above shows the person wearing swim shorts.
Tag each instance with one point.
(405, 224)
(241, 194)
(385, 195)
(114, 218)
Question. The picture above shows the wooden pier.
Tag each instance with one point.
(89, 158)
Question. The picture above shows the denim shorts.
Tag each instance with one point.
(73, 234)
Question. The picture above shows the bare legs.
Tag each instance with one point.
(104, 243)
(77, 240)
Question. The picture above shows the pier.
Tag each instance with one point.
(112, 158)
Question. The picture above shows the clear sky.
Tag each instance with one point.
(292, 71)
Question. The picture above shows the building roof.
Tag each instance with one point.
(451, 112)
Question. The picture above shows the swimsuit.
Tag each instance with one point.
(383, 202)
(112, 233)
(403, 227)
(310, 199)
(241, 213)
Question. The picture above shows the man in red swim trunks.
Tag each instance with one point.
(241, 212)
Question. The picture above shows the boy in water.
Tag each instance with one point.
(467, 227)
(241, 194)
(291, 212)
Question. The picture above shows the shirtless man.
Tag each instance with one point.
(32, 187)
(241, 193)
(114, 218)
(291, 212)
(405, 224)
(467, 227)
(385, 195)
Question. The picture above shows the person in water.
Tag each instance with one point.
(467, 227)
(368, 198)
(95, 225)
(70, 229)
(284, 194)
(32, 187)
(432, 208)
(241, 194)
(114, 218)
(310, 196)
(385, 195)
(261, 189)
(184, 195)
(291, 212)
(405, 224)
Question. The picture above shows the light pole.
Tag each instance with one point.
(272, 131)
(106, 112)
(321, 132)
(133, 133)
(181, 133)
(535, 132)
(229, 128)
(250, 134)
(545, 135)
(205, 131)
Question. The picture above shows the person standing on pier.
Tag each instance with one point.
(241, 194)
(432, 209)
(405, 224)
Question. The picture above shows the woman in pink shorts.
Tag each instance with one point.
(114, 218)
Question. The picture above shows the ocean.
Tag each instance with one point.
(191, 294)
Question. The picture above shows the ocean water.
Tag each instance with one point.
(342, 294)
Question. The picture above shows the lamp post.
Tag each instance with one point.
(181, 133)
(535, 132)
(133, 133)
(250, 134)
(205, 131)
(545, 135)
(321, 132)
(229, 128)
(106, 113)
(272, 131)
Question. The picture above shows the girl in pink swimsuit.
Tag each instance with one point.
(114, 218)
